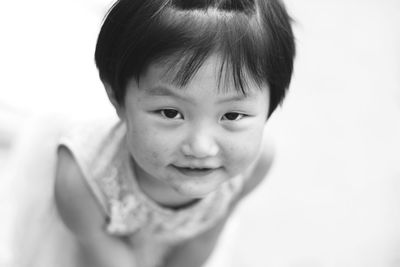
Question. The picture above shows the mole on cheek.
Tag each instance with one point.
(154, 155)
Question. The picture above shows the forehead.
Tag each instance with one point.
(212, 73)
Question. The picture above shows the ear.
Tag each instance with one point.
(113, 100)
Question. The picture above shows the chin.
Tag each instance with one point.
(196, 191)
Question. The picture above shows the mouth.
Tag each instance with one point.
(195, 172)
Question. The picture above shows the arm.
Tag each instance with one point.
(196, 251)
(83, 216)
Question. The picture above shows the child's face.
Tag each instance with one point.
(190, 140)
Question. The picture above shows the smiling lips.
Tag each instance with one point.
(194, 171)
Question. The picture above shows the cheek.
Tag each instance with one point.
(147, 147)
(243, 151)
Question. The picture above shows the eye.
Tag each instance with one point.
(233, 116)
(170, 113)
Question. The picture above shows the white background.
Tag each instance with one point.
(333, 195)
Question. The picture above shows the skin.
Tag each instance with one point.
(186, 142)
(169, 131)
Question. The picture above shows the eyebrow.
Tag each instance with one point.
(166, 91)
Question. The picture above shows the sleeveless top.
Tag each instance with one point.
(152, 229)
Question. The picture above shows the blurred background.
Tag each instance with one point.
(333, 195)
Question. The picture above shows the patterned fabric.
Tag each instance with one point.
(107, 167)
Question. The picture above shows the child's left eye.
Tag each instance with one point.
(233, 116)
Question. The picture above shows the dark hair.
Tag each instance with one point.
(253, 37)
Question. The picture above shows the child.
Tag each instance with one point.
(193, 83)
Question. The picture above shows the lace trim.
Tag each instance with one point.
(127, 216)
(130, 210)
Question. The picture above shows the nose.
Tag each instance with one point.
(200, 144)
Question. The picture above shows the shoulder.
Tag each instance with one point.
(258, 172)
(75, 203)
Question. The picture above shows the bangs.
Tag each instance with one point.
(193, 36)
(233, 37)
